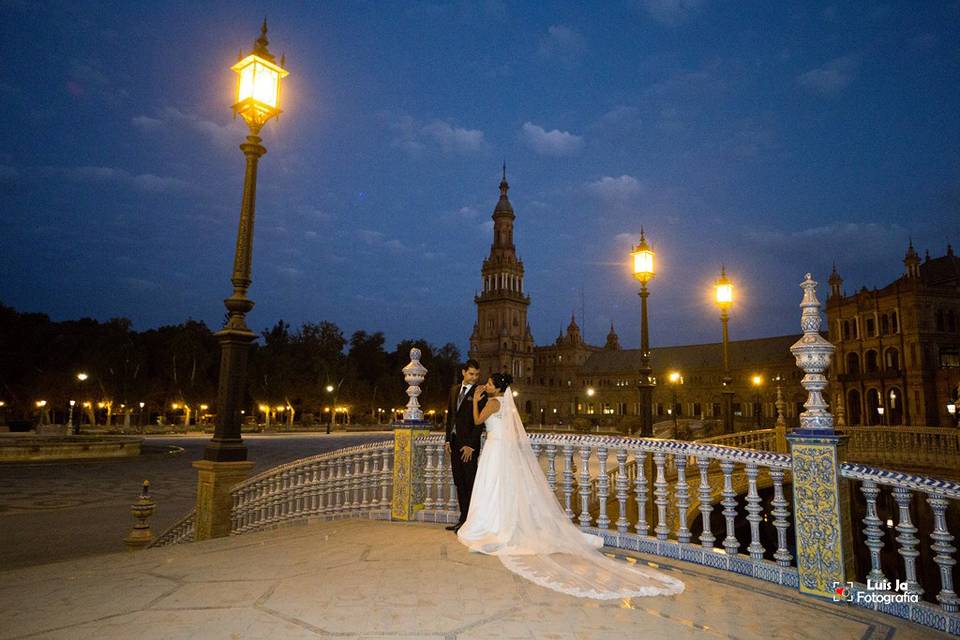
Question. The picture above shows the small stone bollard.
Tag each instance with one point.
(141, 536)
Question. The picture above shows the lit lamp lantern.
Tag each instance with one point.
(724, 290)
(642, 254)
(258, 84)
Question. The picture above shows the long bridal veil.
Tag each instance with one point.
(540, 543)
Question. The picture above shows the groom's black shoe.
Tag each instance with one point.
(454, 527)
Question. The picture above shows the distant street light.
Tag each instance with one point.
(757, 382)
(724, 298)
(644, 271)
(675, 379)
(69, 429)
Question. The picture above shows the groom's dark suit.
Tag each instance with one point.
(461, 432)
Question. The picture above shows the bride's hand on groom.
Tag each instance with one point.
(478, 393)
(466, 453)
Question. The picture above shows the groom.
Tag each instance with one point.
(463, 437)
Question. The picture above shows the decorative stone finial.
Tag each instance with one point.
(813, 353)
(413, 374)
(141, 536)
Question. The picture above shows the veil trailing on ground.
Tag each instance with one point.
(537, 540)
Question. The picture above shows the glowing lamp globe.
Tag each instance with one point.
(258, 83)
(724, 289)
(642, 255)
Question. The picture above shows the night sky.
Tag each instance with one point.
(773, 137)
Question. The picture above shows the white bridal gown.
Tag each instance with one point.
(515, 516)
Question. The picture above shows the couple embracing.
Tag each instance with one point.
(507, 508)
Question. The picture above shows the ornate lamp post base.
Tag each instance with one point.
(214, 501)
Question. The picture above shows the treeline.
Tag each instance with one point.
(40, 360)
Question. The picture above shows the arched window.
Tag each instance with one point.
(873, 404)
(853, 364)
(854, 410)
(872, 364)
(846, 329)
(895, 406)
(892, 359)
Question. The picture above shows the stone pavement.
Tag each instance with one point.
(366, 579)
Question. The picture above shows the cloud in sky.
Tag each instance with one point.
(550, 143)
(415, 137)
(170, 119)
(671, 13)
(562, 43)
(146, 182)
(616, 192)
(833, 77)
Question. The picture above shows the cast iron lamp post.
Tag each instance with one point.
(224, 461)
(675, 378)
(643, 270)
(757, 381)
(724, 298)
(258, 100)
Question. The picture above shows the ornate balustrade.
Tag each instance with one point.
(347, 483)
(181, 531)
(911, 447)
(761, 439)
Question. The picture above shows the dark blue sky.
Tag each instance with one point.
(773, 137)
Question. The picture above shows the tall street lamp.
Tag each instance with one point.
(757, 381)
(643, 270)
(224, 463)
(675, 379)
(724, 298)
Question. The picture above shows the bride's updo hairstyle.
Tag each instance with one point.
(501, 380)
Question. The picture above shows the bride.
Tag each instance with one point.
(515, 516)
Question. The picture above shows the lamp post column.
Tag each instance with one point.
(224, 461)
(727, 391)
(645, 386)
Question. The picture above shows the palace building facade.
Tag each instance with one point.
(573, 381)
(898, 348)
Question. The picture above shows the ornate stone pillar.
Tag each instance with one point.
(821, 498)
(409, 460)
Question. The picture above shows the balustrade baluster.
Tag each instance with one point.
(754, 509)
(603, 488)
(907, 539)
(944, 550)
(661, 495)
(682, 496)
(872, 531)
(706, 502)
(729, 502)
(357, 479)
(325, 502)
(622, 486)
(552, 467)
(780, 518)
(583, 483)
(428, 500)
(568, 480)
(441, 473)
(235, 511)
(385, 478)
(365, 482)
(639, 461)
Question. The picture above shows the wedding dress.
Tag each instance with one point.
(515, 516)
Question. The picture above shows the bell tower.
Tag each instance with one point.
(501, 339)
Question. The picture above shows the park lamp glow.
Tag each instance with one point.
(642, 255)
(724, 290)
(41, 404)
(590, 392)
(258, 83)
(951, 408)
(675, 377)
(82, 376)
(757, 380)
